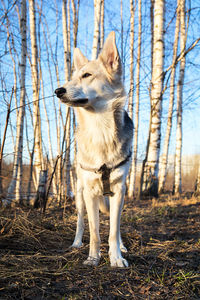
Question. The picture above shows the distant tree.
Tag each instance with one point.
(150, 176)
(38, 153)
(164, 157)
(136, 121)
(178, 154)
(197, 184)
(14, 189)
(97, 19)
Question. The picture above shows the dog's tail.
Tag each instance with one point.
(104, 205)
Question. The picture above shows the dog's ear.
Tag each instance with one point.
(110, 55)
(79, 59)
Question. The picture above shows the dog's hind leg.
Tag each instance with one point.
(80, 220)
(92, 206)
(104, 205)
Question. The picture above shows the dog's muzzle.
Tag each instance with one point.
(60, 92)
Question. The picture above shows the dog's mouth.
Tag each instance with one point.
(75, 102)
(80, 101)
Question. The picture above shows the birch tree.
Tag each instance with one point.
(102, 26)
(164, 157)
(67, 51)
(197, 184)
(130, 108)
(150, 179)
(35, 85)
(66, 40)
(96, 38)
(136, 122)
(177, 169)
(15, 184)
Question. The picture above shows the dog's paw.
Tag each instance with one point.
(91, 261)
(118, 262)
(123, 248)
(77, 244)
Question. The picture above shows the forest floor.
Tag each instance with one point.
(162, 237)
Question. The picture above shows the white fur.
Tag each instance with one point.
(102, 139)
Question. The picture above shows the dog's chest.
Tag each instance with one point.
(97, 142)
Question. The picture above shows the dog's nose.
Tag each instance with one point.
(60, 92)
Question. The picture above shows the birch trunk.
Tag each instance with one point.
(66, 40)
(35, 85)
(16, 181)
(67, 49)
(130, 101)
(197, 184)
(5, 201)
(136, 122)
(102, 26)
(178, 154)
(164, 158)
(150, 180)
(75, 20)
(96, 38)
(130, 108)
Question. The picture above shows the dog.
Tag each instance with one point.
(104, 140)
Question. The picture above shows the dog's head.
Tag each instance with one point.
(94, 83)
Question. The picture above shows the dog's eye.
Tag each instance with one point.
(86, 75)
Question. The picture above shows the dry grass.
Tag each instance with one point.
(162, 236)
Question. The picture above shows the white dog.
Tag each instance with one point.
(104, 138)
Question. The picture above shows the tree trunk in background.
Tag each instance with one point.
(136, 122)
(197, 184)
(5, 201)
(150, 179)
(75, 10)
(35, 85)
(66, 41)
(102, 26)
(122, 41)
(130, 100)
(178, 154)
(130, 103)
(164, 157)
(40, 200)
(67, 51)
(15, 184)
(96, 38)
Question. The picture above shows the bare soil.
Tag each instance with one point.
(162, 237)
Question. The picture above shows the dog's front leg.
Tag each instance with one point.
(80, 220)
(116, 205)
(92, 206)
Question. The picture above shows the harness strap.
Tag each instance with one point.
(105, 174)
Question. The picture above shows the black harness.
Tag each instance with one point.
(105, 174)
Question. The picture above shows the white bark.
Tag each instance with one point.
(150, 183)
(130, 107)
(35, 85)
(15, 184)
(177, 184)
(164, 157)
(66, 40)
(75, 9)
(96, 38)
(102, 25)
(136, 122)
